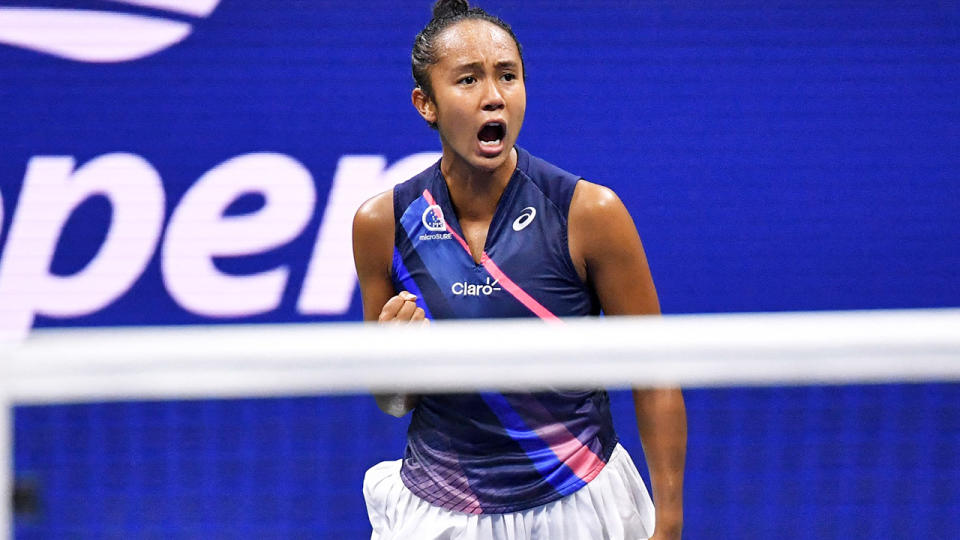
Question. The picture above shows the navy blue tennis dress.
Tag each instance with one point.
(498, 452)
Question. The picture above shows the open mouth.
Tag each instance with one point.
(491, 134)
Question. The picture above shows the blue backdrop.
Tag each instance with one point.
(774, 155)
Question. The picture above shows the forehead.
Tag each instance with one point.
(475, 41)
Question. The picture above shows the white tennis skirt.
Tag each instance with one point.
(613, 506)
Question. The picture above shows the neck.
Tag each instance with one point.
(475, 192)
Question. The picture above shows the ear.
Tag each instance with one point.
(425, 105)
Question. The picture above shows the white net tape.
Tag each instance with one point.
(687, 350)
(58, 366)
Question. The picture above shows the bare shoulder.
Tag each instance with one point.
(373, 236)
(597, 219)
(590, 199)
(375, 213)
(606, 249)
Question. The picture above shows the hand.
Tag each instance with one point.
(397, 404)
(402, 308)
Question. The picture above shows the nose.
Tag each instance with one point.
(492, 98)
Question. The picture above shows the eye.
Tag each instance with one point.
(509, 76)
(469, 79)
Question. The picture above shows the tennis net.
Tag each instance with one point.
(845, 423)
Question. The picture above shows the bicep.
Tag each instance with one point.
(604, 240)
(373, 253)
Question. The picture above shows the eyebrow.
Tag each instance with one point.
(503, 64)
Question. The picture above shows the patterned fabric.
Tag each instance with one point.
(496, 452)
(614, 506)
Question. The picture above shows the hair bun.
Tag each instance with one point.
(448, 8)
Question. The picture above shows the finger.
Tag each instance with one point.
(419, 315)
(407, 296)
(390, 309)
(406, 311)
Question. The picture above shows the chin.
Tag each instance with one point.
(490, 164)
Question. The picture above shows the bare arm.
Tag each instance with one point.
(373, 256)
(607, 251)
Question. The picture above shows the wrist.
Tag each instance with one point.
(669, 525)
(667, 533)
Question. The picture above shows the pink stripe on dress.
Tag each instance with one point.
(583, 461)
(515, 290)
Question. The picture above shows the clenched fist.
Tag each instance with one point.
(402, 308)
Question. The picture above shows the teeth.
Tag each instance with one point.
(490, 143)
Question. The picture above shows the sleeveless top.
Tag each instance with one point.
(495, 452)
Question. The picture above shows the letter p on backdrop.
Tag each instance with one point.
(52, 190)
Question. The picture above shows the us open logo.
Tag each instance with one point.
(99, 35)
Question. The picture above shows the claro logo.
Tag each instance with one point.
(196, 232)
(463, 288)
(100, 35)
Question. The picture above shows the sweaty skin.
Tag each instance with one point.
(477, 80)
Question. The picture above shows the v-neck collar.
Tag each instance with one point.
(446, 204)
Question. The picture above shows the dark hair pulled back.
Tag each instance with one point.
(445, 14)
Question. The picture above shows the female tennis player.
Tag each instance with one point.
(492, 231)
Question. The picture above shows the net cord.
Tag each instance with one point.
(103, 364)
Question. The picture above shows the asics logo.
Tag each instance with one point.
(525, 218)
(97, 35)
